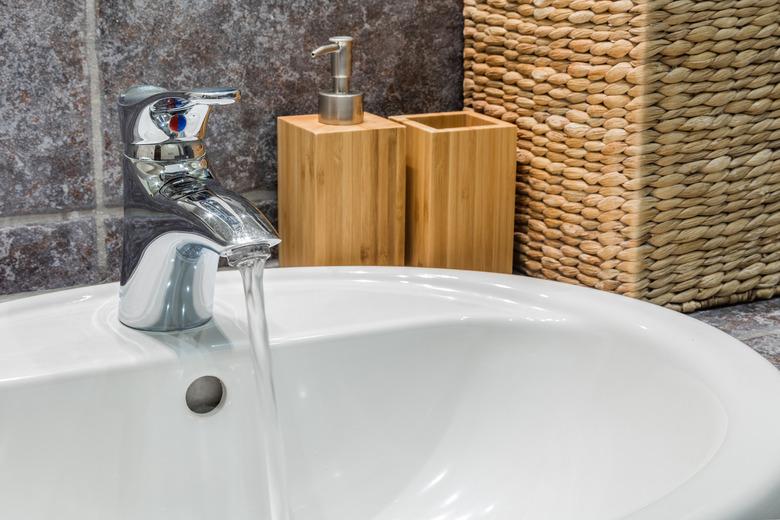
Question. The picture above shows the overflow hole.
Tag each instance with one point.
(205, 394)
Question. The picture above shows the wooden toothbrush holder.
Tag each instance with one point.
(460, 191)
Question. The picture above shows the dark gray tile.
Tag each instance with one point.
(768, 346)
(408, 59)
(113, 245)
(746, 320)
(47, 256)
(44, 108)
(270, 209)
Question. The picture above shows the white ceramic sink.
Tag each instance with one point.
(404, 394)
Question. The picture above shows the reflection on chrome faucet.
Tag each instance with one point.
(178, 219)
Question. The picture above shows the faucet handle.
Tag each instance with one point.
(152, 115)
(214, 96)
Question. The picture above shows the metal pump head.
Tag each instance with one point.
(339, 106)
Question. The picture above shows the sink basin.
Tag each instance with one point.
(404, 394)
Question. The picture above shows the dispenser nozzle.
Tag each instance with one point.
(325, 49)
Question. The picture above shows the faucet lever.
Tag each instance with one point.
(179, 102)
(151, 117)
(214, 96)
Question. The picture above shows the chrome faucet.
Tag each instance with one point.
(178, 219)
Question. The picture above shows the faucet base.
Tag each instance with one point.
(172, 287)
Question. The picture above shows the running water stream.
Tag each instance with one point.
(250, 262)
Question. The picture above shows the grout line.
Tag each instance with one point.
(54, 218)
(96, 105)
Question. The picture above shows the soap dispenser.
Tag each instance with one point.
(341, 178)
(339, 106)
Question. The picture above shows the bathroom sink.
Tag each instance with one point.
(404, 394)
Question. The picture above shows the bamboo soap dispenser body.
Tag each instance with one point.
(341, 178)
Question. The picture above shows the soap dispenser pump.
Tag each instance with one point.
(339, 106)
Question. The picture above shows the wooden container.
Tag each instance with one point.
(649, 141)
(341, 192)
(460, 194)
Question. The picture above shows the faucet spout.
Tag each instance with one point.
(172, 244)
(178, 221)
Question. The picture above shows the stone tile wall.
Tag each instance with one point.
(756, 324)
(64, 63)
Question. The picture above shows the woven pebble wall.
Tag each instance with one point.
(648, 141)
